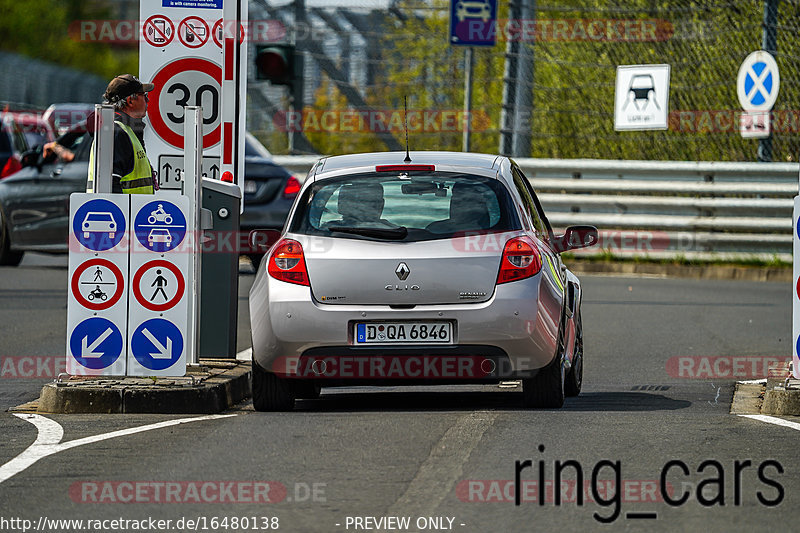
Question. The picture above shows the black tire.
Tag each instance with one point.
(7, 256)
(306, 390)
(546, 389)
(574, 379)
(271, 393)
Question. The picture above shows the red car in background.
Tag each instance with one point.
(20, 132)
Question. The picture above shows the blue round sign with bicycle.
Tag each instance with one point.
(160, 226)
(99, 225)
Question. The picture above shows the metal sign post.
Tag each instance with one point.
(193, 190)
(102, 150)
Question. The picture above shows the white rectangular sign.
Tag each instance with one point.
(755, 125)
(170, 170)
(641, 98)
(97, 302)
(180, 52)
(162, 244)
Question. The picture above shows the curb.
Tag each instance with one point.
(722, 272)
(220, 385)
(781, 397)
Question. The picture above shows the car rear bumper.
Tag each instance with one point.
(512, 334)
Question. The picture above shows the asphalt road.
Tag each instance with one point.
(444, 458)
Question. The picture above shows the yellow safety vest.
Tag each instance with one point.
(140, 179)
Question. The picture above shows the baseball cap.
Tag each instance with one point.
(124, 86)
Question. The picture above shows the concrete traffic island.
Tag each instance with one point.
(778, 395)
(217, 385)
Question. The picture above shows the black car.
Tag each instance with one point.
(34, 202)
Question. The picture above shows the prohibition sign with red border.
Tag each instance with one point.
(218, 29)
(75, 284)
(198, 40)
(151, 23)
(137, 290)
(160, 80)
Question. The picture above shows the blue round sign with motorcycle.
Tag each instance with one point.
(160, 226)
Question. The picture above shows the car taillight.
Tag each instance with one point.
(12, 165)
(521, 260)
(292, 187)
(286, 262)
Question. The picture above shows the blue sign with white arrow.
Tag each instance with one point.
(99, 225)
(157, 344)
(473, 22)
(96, 343)
(160, 226)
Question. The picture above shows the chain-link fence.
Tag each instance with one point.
(28, 84)
(386, 54)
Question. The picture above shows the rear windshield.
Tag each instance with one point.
(417, 206)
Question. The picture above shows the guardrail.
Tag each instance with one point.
(664, 209)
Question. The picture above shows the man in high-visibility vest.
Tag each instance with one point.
(131, 171)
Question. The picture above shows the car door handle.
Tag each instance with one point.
(56, 172)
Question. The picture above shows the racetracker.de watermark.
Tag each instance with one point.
(381, 121)
(710, 121)
(30, 367)
(567, 30)
(130, 32)
(728, 367)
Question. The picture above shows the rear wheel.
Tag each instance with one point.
(271, 393)
(546, 389)
(7, 256)
(574, 379)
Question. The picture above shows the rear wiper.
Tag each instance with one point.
(397, 233)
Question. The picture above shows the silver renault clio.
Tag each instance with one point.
(416, 268)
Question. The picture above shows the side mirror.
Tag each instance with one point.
(576, 237)
(261, 240)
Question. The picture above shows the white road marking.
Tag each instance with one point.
(753, 381)
(774, 420)
(48, 441)
(443, 467)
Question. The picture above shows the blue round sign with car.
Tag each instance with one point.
(99, 225)
(160, 226)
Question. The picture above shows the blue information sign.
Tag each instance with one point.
(473, 22)
(96, 343)
(99, 225)
(193, 4)
(157, 344)
(160, 226)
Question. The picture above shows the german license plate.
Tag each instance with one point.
(404, 332)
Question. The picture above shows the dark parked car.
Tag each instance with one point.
(34, 202)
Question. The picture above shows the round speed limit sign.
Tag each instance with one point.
(191, 81)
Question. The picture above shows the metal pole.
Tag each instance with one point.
(103, 146)
(193, 189)
(517, 107)
(468, 64)
(769, 43)
(300, 24)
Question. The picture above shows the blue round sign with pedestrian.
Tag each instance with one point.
(160, 226)
(157, 344)
(96, 343)
(99, 225)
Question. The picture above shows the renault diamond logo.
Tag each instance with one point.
(402, 271)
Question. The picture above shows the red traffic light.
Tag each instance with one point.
(275, 64)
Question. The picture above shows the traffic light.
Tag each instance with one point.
(275, 63)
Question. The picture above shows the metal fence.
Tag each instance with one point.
(27, 83)
(665, 209)
(386, 54)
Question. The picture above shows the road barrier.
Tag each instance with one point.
(664, 209)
